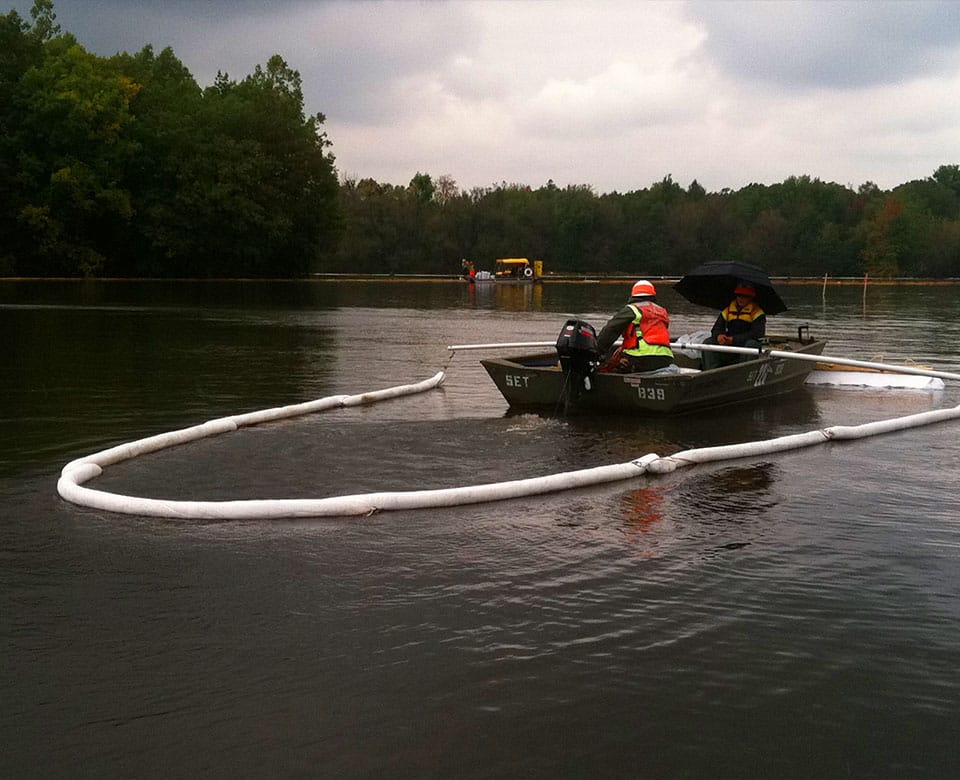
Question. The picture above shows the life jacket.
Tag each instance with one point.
(649, 332)
(739, 318)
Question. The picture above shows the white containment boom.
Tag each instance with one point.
(881, 380)
(77, 472)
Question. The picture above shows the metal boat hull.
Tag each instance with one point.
(536, 381)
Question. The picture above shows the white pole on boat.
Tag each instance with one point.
(512, 345)
(777, 353)
(742, 351)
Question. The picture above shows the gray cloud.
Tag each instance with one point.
(830, 45)
(354, 56)
(616, 94)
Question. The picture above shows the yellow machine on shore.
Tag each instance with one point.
(518, 269)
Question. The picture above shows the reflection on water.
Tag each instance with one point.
(505, 296)
(643, 512)
(801, 606)
(731, 481)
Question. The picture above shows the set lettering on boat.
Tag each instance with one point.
(516, 380)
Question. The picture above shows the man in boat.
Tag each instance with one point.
(645, 327)
(742, 324)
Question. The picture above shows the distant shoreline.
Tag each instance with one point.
(830, 281)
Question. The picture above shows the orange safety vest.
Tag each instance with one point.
(649, 332)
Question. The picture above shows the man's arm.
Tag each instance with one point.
(614, 327)
(720, 326)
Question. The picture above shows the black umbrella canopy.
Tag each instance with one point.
(712, 284)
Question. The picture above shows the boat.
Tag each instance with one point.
(569, 377)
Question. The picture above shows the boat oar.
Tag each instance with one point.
(513, 345)
(777, 353)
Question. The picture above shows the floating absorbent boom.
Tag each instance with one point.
(73, 476)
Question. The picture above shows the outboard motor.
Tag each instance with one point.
(579, 356)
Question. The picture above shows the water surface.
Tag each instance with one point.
(788, 615)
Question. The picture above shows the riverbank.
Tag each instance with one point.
(548, 278)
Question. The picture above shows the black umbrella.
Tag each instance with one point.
(712, 284)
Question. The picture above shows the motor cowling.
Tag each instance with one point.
(577, 348)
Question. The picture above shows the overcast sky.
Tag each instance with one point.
(613, 94)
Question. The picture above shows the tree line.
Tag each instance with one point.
(800, 227)
(124, 166)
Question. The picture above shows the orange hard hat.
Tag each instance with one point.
(745, 289)
(643, 288)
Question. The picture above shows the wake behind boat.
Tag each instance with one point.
(568, 377)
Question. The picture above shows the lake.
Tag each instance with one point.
(790, 615)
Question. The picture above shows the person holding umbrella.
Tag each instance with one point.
(741, 324)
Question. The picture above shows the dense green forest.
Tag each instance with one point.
(124, 166)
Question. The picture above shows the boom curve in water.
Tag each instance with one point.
(70, 486)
